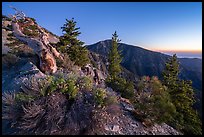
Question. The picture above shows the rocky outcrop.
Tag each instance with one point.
(121, 122)
(47, 60)
(97, 75)
(13, 78)
(40, 45)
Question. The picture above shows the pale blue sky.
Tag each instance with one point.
(155, 26)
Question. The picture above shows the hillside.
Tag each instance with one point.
(142, 62)
(135, 60)
(44, 93)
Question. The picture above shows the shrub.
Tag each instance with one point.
(94, 64)
(32, 27)
(85, 83)
(116, 84)
(24, 97)
(110, 100)
(32, 113)
(57, 83)
(66, 85)
(153, 101)
(44, 85)
(31, 31)
(128, 91)
(121, 85)
(72, 89)
(99, 96)
(9, 106)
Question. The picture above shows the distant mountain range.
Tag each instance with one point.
(142, 62)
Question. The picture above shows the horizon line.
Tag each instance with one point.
(177, 50)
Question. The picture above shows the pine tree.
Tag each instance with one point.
(114, 79)
(70, 45)
(182, 96)
(70, 34)
(184, 101)
(170, 74)
(79, 55)
(114, 58)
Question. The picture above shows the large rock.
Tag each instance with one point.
(17, 76)
(40, 46)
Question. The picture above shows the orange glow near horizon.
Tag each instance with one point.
(177, 50)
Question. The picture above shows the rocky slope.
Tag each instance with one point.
(54, 114)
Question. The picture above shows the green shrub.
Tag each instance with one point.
(72, 89)
(67, 86)
(128, 91)
(116, 84)
(153, 102)
(44, 85)
(99, 96)
(32, 27)
(94, 64)
(60, 48)
(110, 100)
(24, 97)
(121, 85)
(85, 83)
(31, 31)
(72, 76)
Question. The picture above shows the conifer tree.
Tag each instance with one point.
(184, 101)
(70, 45)
(114, 58)
(70, 34)
(182, 96)
(114, 79)
(170, 74)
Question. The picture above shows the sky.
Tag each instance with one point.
(159, 26)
